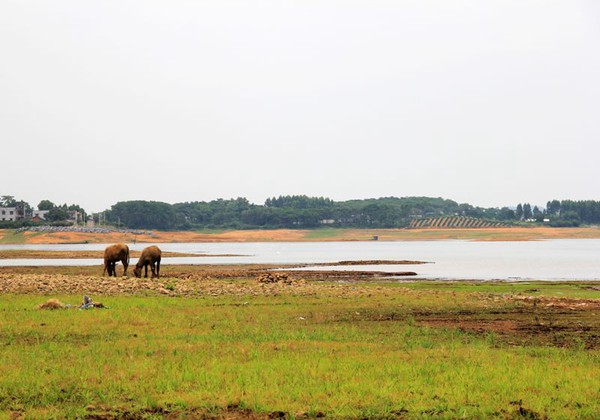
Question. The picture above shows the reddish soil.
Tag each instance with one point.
(550, 321)
(287, 235)
(480, 326)
(231, 412)
(292, 235)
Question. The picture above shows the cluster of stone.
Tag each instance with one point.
(274, 278)
(78, 229)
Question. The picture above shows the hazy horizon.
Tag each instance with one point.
(492, 104)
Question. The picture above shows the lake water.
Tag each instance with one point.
(558, 259)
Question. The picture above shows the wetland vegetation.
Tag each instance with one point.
(215, 342)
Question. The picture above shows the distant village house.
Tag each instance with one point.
(12, 214)
(39, 215)
(8, 214)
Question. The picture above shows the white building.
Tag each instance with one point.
(8, 214)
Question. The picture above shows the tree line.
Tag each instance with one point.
(300, 211)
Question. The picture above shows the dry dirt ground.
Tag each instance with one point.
(549, 321)
(190, 285)
(188, 280)
(158, 237)
(291, 235)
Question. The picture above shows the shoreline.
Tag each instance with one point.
(235, 272)
(12, 237)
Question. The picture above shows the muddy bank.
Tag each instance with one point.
(218, 271)
(192, 285)
(223, 271)
(547, 321)
(368, 262)
(293, 235)
(508, 319)
(347, 275)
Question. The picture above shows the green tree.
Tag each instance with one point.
(142, 215)
(537, 214)
(57, 214)
(506, 214)
(519, 212)
(7, 201)
(553, 208)
(46, 205)
(527, 211)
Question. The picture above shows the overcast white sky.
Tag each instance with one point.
(487, 102)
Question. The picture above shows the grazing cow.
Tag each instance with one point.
(114, 253)
(150, 257)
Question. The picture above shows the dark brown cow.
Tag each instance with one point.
(114, 253)
(150, 257)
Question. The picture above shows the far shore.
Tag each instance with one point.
(9, 236)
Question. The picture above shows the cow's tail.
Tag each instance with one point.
(127, 255)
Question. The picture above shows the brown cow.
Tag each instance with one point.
(114, 253)
(150, 257)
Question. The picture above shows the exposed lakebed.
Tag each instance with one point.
(559, 259)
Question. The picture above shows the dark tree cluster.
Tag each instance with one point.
(301, 212)
(142, 215)
(297, 211)
(565, 213)
(574, 213)
(59, 213)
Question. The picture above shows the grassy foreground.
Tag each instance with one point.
(399, 351)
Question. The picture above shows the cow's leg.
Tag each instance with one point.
(146, 271)
(125, 265)
(158, 269)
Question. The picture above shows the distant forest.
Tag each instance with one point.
(300, 211)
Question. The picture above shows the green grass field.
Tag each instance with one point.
(306, 356)
(11, 236)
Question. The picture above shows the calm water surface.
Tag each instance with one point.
(558, 259)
